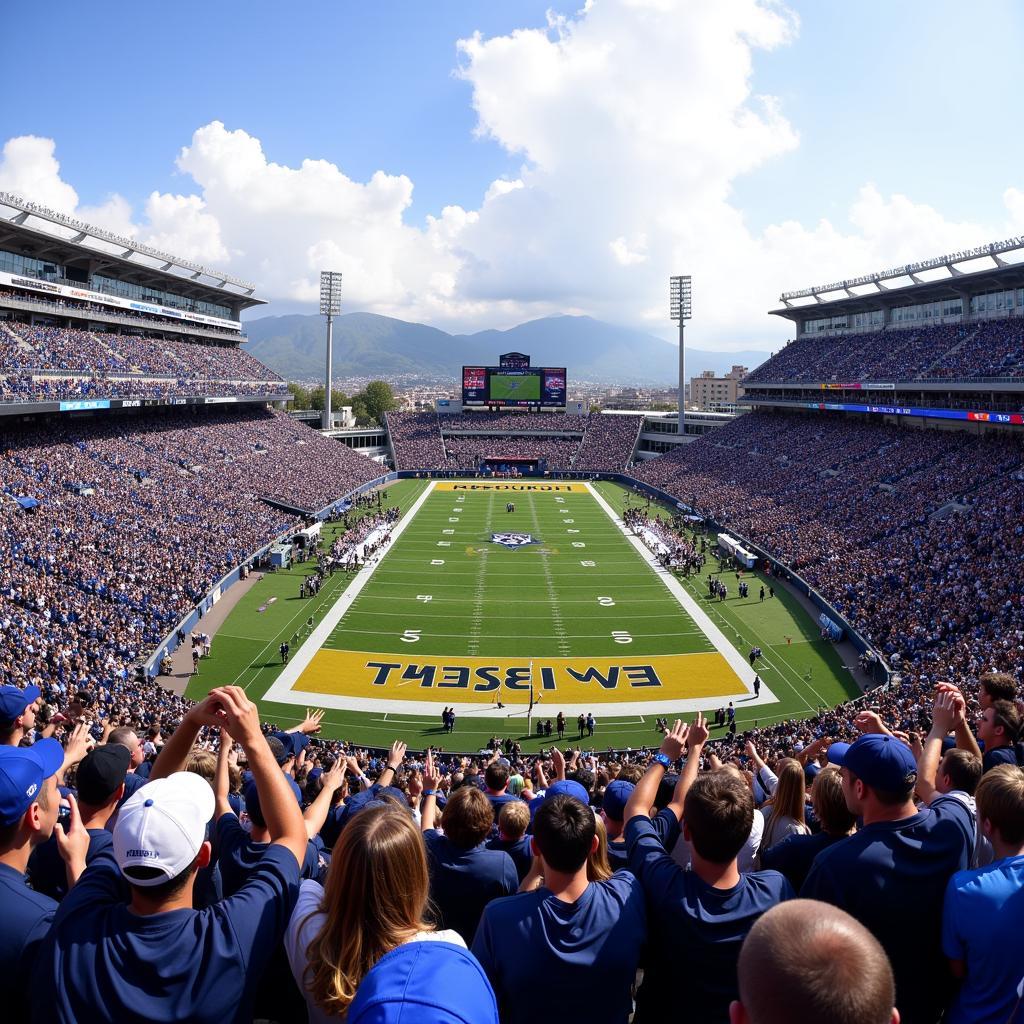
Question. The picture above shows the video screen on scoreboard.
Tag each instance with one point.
(538, 386)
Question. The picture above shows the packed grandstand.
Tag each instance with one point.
(130, 490)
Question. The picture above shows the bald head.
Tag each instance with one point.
(815, 957)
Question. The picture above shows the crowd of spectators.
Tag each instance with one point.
(962, 351)
(425, 440)
(201, 866)
(53, 363)
(908, 534)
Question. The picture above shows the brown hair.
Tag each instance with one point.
(514, 819)
(998, 685)
(818, 958)
(963, 768)
(1000, 799)
(375, 899)
(829, 802)
(719, 813)
(467, 817)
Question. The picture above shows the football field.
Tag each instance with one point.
(553, 605)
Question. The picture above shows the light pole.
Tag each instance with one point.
(330, 307)
(680, 309)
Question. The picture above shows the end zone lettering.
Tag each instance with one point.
(509, 487)
(488, 678)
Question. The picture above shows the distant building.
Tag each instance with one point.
(709, 393)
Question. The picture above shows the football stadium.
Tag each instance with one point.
(497, 703)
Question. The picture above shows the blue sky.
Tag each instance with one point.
(913, 99)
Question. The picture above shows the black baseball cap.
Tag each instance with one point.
(101, 773)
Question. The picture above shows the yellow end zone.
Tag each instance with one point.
(570, 680)
(508, 485)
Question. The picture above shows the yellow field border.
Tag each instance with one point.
(582, 680)
(515, 487)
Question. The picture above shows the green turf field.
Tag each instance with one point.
(440, 601)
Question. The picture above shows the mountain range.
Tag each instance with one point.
(368, 345)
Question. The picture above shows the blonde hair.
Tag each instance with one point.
(514, 819)
(788, 799)
(599, 868)
(203, 763)
(375, 899)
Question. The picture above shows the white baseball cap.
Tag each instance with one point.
(162, 825)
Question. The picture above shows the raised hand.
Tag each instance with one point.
(431, 775)
(944, 710)
(237, 714)
(869, 722)
(311, 724)
(397, 754)
(558, 762)
(73, 840)
(675, 740)
(699, 731)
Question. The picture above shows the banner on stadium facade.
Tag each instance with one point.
(64, 291)
(541, 487)
(976, 416)
(443, 679)
(858, 386)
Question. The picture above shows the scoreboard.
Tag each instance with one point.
(515, 384)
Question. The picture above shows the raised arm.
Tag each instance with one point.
(277, 800)
(431, 780)
(176, 749)
(695, 740)
(222, 777)
(316, 813)
(642, 798)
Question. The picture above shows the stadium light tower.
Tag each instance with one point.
(330, 307)
(680, 309)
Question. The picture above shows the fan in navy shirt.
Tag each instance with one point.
(795, 854)
(100, 781)
(697, 919)
(496, 777)
(513, 821)
(28, 815)
(892, 874)
(613, 810)
(464, 875)
(156, 959)
(998, 728)
(580, 940)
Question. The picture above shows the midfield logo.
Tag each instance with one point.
(512, 540)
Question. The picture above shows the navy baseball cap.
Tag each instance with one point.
(23, 770)
(615, 798)
(879, 761)
(14, 700)
(425, 982)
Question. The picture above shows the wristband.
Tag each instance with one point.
(430, 792)
(663, 759)
(387, 767)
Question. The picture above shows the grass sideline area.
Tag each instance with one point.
(534, 601)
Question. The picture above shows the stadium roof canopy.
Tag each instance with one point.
(38, 231)
(991, 267)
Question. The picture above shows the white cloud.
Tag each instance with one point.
(632, 120)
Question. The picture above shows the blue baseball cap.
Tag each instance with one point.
(14, 700)
(879, 761)
(23, 770)
(615, 798)
(563, 787)
(425, 983)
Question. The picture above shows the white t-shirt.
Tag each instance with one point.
(305, 923)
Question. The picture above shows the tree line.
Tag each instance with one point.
(368, 405)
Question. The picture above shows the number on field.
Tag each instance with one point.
(606, 602)
(437, 561)
(448, 531)
(560, 500)
(453, 519)
(410, 636)
(620, 636)
(589, 564)
(568, 520)
(444, 543)
(578, 544)
(572, 531)
(424, 597)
